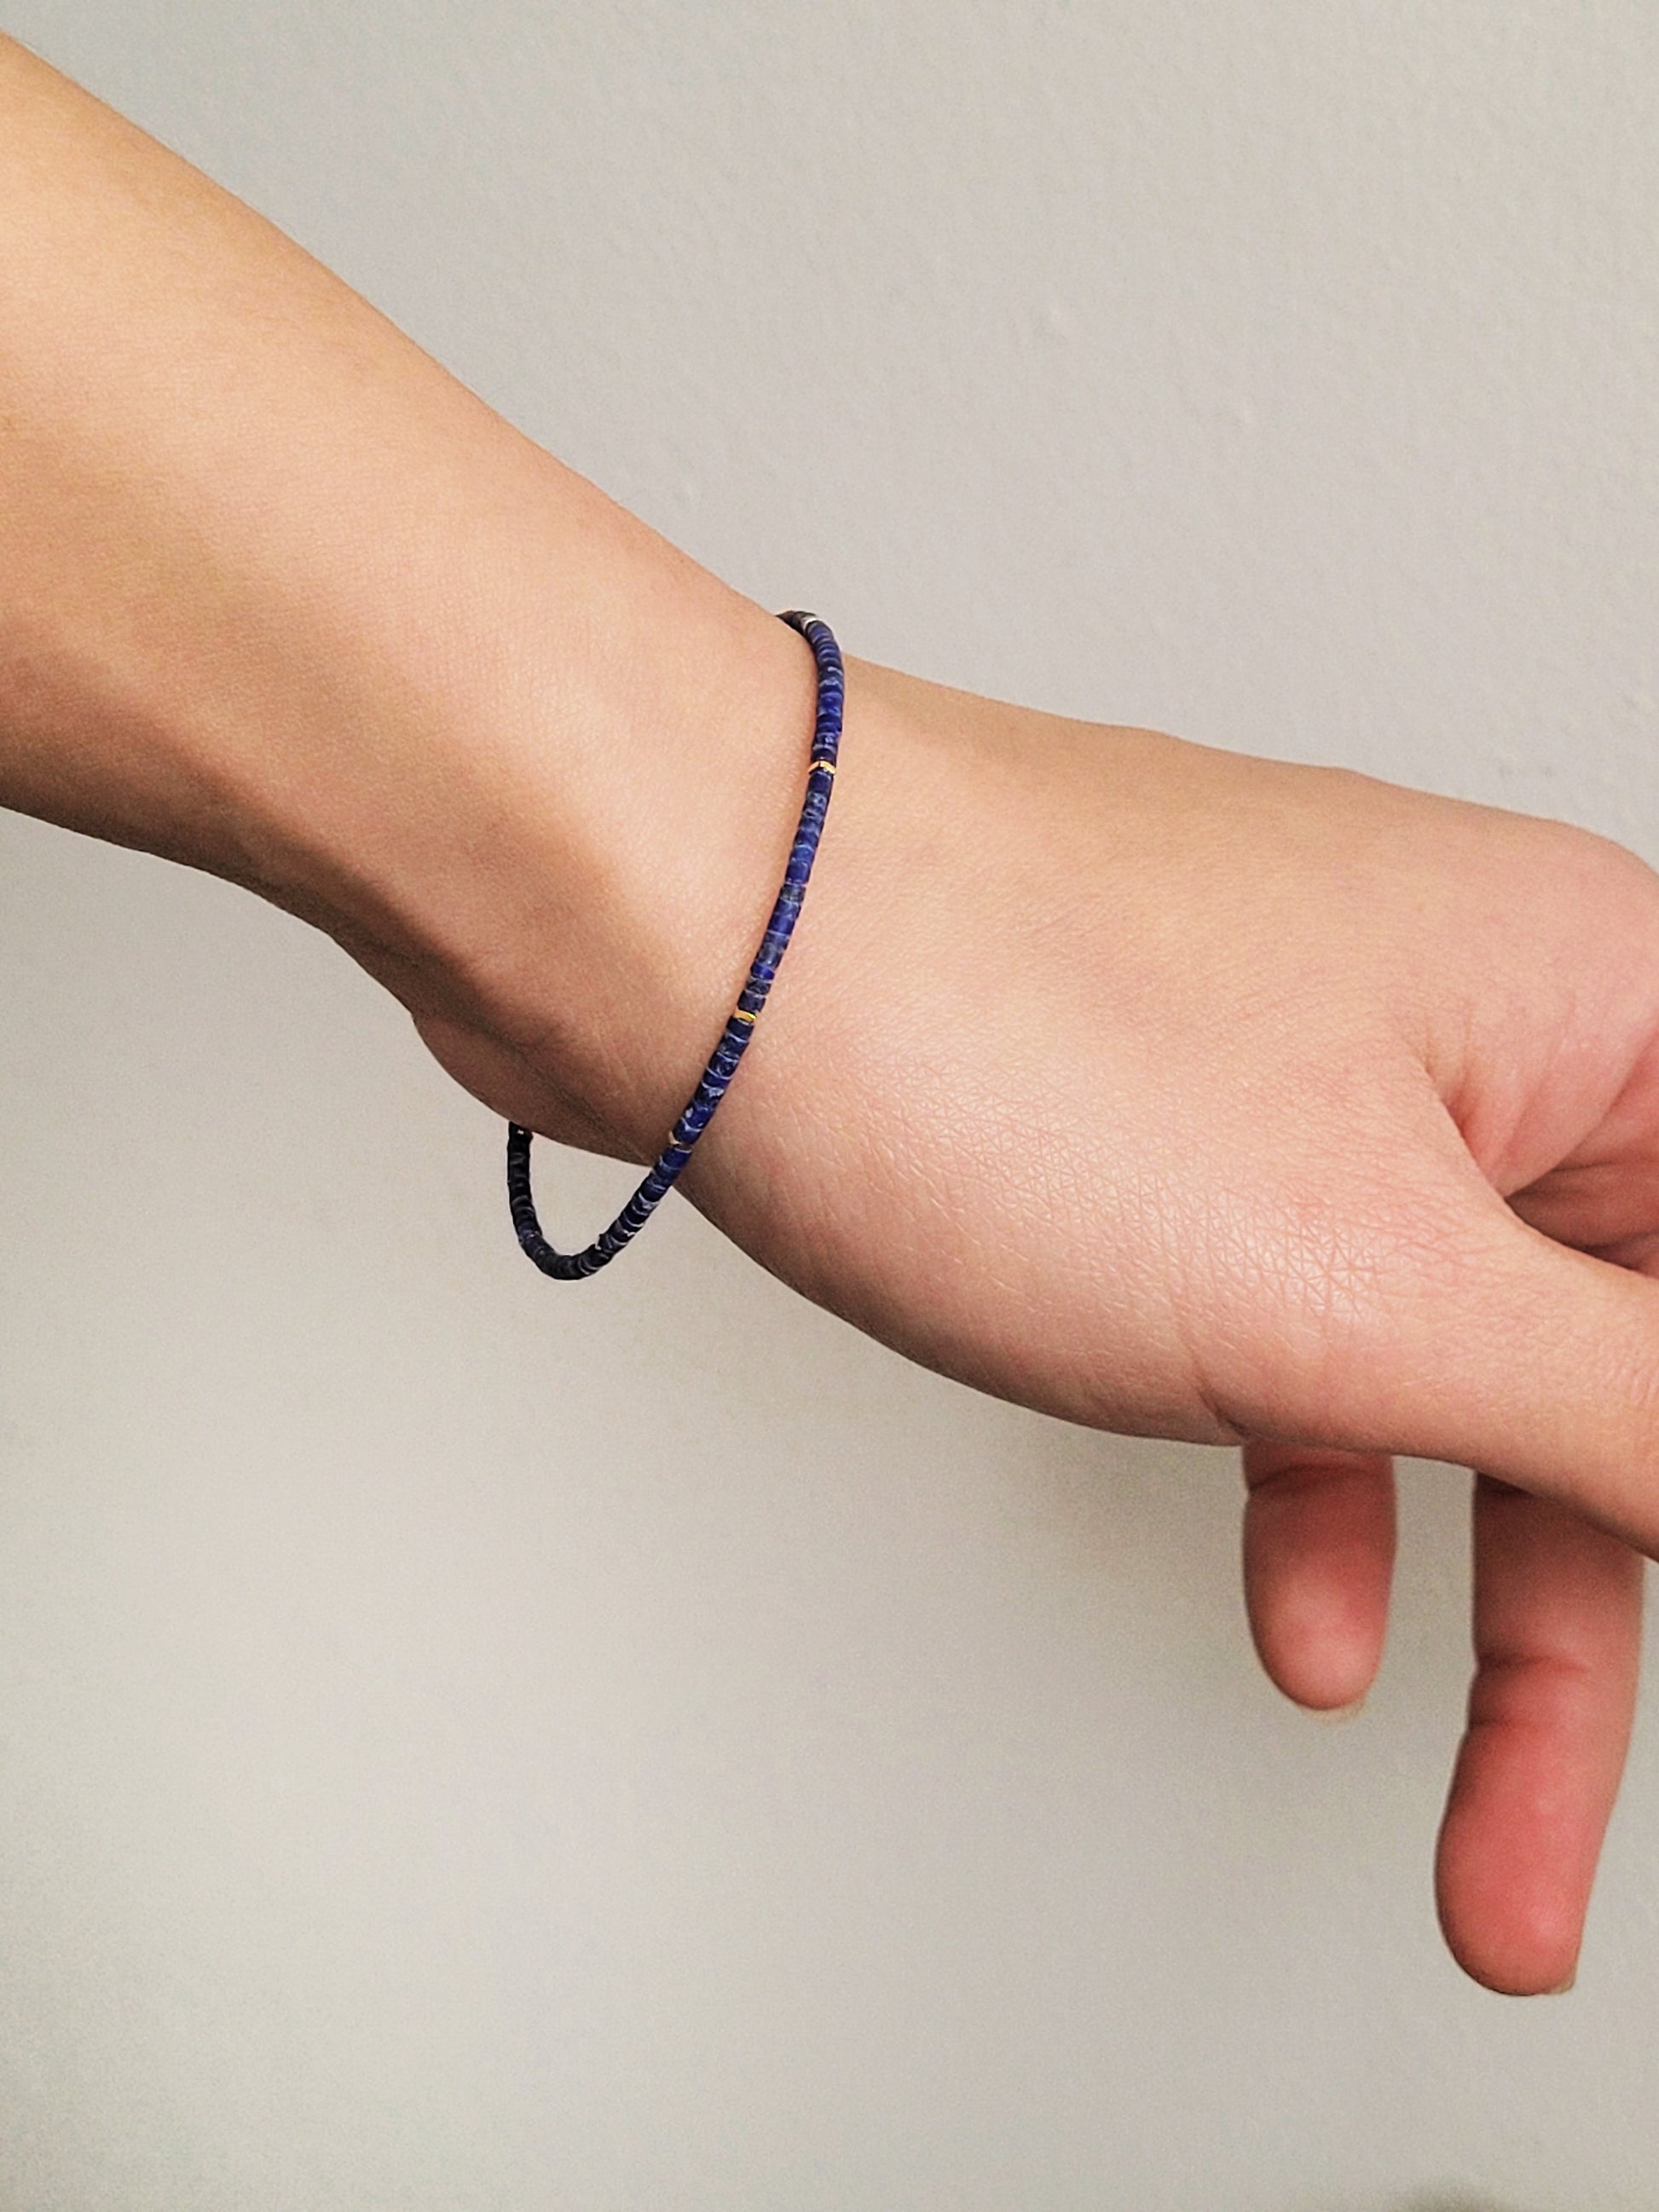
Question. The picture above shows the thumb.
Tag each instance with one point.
(1531, 1361)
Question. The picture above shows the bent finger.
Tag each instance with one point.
(1558, 1624)
(1318, 1541)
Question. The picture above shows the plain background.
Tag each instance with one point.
(466, 1743)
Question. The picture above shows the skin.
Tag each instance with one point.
(1159, 1088)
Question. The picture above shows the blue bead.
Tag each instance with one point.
(576, 1266)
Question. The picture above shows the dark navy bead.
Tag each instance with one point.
(699, 1111)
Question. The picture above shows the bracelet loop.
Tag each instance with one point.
(699, 1111)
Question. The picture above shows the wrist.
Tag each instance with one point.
(627, 799)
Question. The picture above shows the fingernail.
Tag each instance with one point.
(1561, 1988)
(1331, 1714)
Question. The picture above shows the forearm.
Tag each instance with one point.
(285, 601)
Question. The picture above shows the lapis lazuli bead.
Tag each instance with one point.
(699, 1111)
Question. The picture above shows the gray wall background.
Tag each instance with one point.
(464, 1746)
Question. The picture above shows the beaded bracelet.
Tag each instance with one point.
(573, 1266)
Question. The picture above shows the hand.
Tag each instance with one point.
(1204, 1096)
